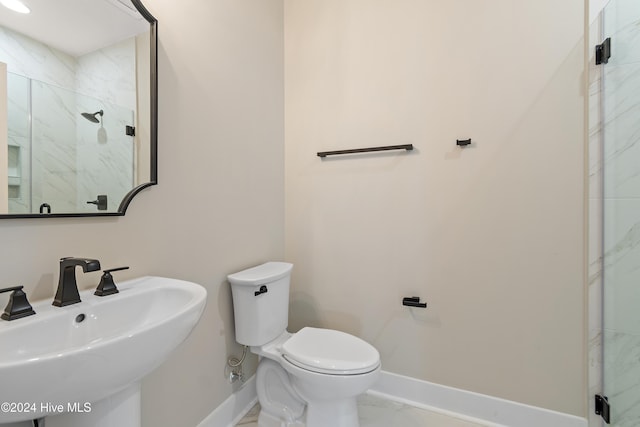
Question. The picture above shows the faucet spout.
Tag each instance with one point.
(67, 292)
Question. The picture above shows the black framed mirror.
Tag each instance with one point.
(78, 107)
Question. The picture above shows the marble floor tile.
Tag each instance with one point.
(377, 412)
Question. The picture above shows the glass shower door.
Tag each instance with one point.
(19, 143)
(621, 211)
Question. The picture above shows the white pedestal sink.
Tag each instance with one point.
(87, 359)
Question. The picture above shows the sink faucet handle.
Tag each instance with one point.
(18, 305)
(115, 269)
(107, 286)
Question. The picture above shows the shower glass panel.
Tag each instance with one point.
(62, 159)
(53, 147)
(19, 167)
(621, 241)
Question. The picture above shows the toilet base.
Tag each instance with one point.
(323, 414)
(267, 420)
(334, 413)
(280, 404)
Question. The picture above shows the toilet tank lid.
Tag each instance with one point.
(261, 274)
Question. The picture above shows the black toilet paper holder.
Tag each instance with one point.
(413, 302)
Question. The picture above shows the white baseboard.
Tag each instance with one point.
(234, 408)
(453, 401)
(490, 410)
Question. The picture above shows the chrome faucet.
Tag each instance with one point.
(67, 292)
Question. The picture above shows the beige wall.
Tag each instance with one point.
(219, 205)
(491, 236)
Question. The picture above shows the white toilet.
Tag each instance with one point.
(320, 370)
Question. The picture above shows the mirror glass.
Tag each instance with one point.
(78, 107)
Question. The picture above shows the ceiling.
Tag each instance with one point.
(76, 27)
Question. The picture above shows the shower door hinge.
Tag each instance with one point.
(603, 408)
(603, 51)
(130, 130)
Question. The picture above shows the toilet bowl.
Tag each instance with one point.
(326, 369)
(310, 378)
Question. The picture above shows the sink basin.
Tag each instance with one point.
(88, 351)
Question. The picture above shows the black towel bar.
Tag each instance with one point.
(407, 147)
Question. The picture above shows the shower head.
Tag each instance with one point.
(92, 117)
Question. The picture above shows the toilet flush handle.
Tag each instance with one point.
(263, 289)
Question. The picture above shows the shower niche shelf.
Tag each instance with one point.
(14, 171)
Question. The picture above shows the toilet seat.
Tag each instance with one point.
(330, 352)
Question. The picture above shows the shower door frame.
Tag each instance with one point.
(620, 217)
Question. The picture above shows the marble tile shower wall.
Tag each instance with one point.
(80, 158)
(97, 71)
(615, 203)
(27, 57)
(105, 157)
(53, 148)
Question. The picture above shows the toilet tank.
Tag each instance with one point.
(261, 302)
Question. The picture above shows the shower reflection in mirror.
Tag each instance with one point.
(63, 158)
